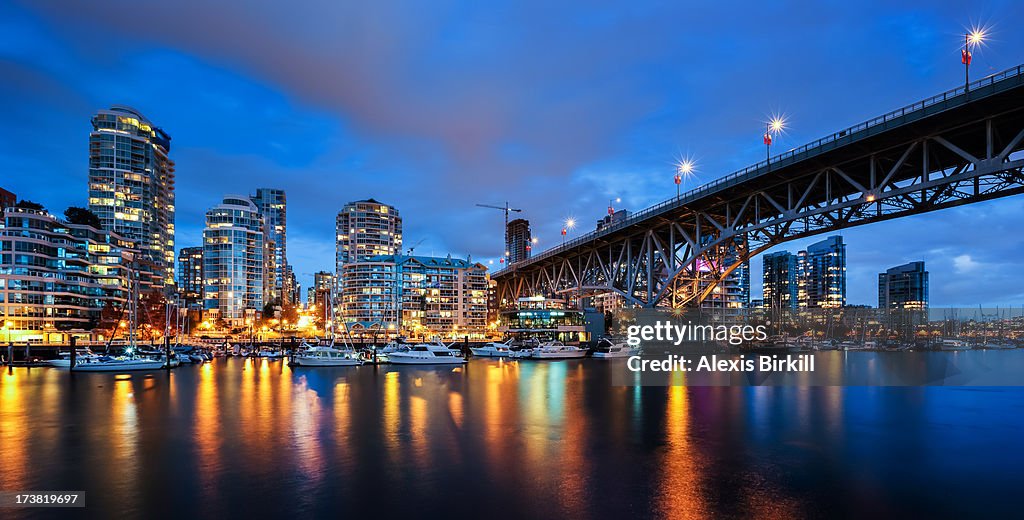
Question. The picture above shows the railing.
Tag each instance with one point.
(948, 99)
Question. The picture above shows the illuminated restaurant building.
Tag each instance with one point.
(544, 318)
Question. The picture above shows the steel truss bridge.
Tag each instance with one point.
(959, 147)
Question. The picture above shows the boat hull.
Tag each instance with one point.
(300, 361)
(613, 355)
(559, 355)
(486, 352)
(120, 366)
(397, 359)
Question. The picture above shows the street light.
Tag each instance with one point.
(684, 170)
(611, 205)
(569, 224)
(772, 127)
(974, 37)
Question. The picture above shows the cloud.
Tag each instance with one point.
(436, 107)
(965, 264)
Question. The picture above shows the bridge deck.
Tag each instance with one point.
(998, 92)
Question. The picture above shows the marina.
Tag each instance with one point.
(254, 437)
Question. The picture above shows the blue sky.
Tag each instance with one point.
(554, 107)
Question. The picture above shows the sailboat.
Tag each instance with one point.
(326, 355)
(129, 361)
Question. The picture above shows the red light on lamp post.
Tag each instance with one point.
(973, 37)
(773, 127)
(684, 169)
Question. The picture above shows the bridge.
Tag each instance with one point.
(963, 146)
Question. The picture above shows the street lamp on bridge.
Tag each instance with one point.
(684, 170)
(972, 38)
(772, 128)
(569, 224)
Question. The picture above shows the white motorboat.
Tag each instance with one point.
(610, 349)
(436, 353)
(493, 349)
(520, 353)
(326, 356)
(82, 355)
(118, 364)
(954, 344)
(270, 354)
(557, 350)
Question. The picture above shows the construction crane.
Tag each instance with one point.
(506, 209)
(413, 248)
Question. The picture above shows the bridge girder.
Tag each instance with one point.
(681, 258)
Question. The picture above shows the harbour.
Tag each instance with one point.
(250, 437)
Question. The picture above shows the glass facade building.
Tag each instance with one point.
(518, 246)
(233, 261)
(273, 206)
(815, 278)
(780, 281)
(822, 274)
(131, 184)
(190, 276)
(904, 287)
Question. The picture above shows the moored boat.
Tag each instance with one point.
(436, 353)
(557, 350)
(492, 349)
(608, 348)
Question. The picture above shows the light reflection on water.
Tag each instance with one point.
(498, 438)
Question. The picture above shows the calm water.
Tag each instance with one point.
(495, 439)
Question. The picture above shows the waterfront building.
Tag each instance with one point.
(518, 240)
(190, 277)
(904, 287)
(364, 229)
(543, 318)
(233, 261)
(57, 277)
(273, 206)
(419, 296)
(131, 184)
(7, 198)
(822, 274)
(780, 281)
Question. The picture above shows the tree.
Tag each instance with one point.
(82, 216)
(28, 204)
(152, 311)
